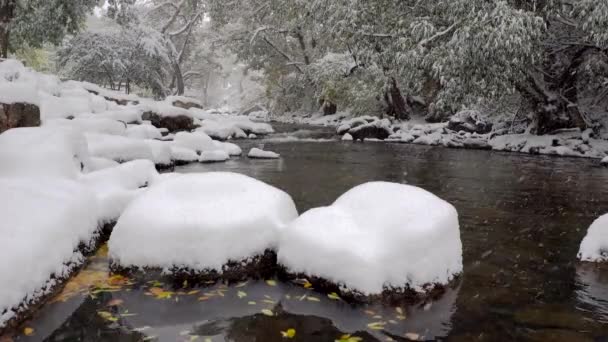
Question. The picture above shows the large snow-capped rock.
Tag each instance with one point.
(594, 247)
(42, 152)
(43, 223)
(377, 236)
(200, 222)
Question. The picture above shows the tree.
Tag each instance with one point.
(118, 58)
(34, 22)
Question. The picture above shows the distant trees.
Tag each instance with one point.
(118, 58)
(34, 22)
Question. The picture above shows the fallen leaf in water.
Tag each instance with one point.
(141, 329)
(376, 325)
(194, 337)
(160, 293)
(241, 294)
(243, 284)
(28, 331)
(107, 316)
(377, 317)
(412, 336)
(115, 302)
(155, 283)
(251, 303)
(307, 285)
(399, 311)
(193, 292)
(401, 317)
(269, 301)
(313, 299)
(148, 338)
(271, 282)
(348, 338)
(268, 312)
(184, 332)
(334, 296)
(290, 333)
(370, 312)
(203, 298)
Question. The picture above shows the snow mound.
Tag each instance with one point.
(90, 125)
(224, 127)
(115, 187)
(143, 131)
(183, 155)
(214, 156)
(257, 153)
(42, 152)
(196, 141)
(118, 148)
(594, 247)
(201, 221)
(377, 235)
(43, 223)
(347, 137)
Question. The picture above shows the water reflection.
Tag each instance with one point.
(593, 292)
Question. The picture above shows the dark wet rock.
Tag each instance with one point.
(469, 121)
(267, 328)
(390, 296)
(18, 115)
(329, 108)
(261, 266)
(173, 123)
(182, 103)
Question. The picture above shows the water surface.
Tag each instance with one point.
(522, 218)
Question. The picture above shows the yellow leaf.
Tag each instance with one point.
(251, 303)
(290, 333)
(334, 296)
(377, 317)
(203, 298)
(401, 317)
(107, 316)
(313, 299)
(268, 301)
(241, 294)
(28, 331)
(208, 339)
(193, 292)
(399, 311)
(307, 285)
(243, 284)
(370, 312)
(271, 283)
(376, 325)
(268, 312)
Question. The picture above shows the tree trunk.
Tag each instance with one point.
(7, 13)
(179, 78)
(397, 106)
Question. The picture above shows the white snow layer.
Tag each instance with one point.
(201, 221)
(43, 222)
(257, 153)
(377, 235)
(42, 153)
(594, 247)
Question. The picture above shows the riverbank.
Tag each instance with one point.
(566, 143)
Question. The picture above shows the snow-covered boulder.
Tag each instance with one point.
(42, 152)
(256, 153)
(143, 132)
(224, 127)
(44, 223)
(183, 155)
(594, 247)
(197, 141)
(367, 127)
(231, 149)
(214, 156)
(118, 148)
(469, 121)
(378, 236)
(115, 187)
(347, 137)
(604, 161)
(200, 222)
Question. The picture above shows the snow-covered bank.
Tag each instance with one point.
(379, 237)
(461, 132)
(201, 223)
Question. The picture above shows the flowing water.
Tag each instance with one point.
(522, 218)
